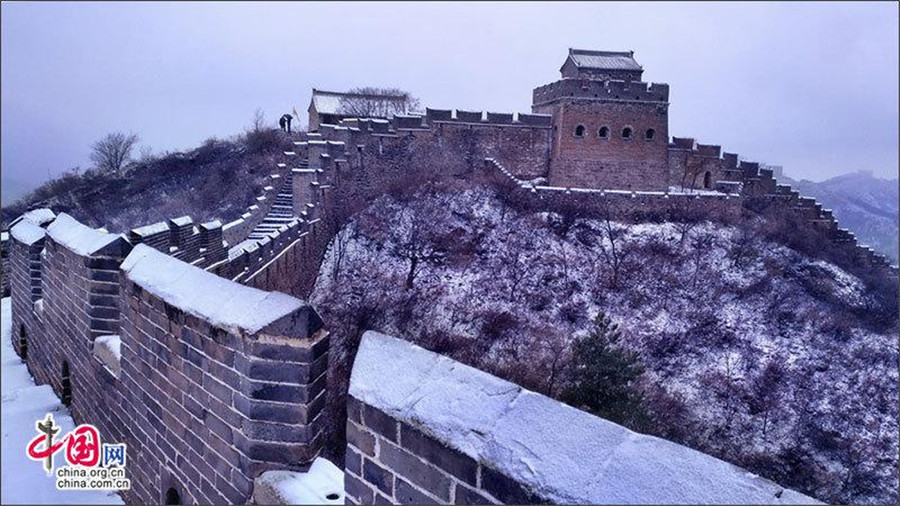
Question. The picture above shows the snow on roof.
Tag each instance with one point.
(323, 483)
(26, 232)
(216, 300)
(77, 236)
(518, 432)
(4, 236)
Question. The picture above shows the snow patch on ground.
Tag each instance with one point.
(323, 483)
(23, 481)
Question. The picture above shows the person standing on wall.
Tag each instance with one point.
(286, 120)
(281, 123)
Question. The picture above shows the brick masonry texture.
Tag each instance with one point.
(203, 409)
(396, 462)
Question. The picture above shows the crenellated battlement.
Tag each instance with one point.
(589, 89)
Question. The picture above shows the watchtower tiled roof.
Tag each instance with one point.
(603, 60)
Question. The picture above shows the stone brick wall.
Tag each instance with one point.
(4, 265)
(613, 162)
(198, 245)
(24, 273)
(447, 433)
(389, 461)
(615, 204)
(217, 405)
(204, 403)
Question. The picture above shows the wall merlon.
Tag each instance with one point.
(710, 150)
(683, 143)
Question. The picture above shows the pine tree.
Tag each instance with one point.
(603, 375)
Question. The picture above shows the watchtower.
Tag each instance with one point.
(610, 128)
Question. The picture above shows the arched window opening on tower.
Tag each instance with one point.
(707, 180)
(172, 496)
(603, 133)
(626, 133)
(23, 342)
(579, 131)
(66, 385)
(650, 133)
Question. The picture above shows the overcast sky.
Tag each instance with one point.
(811, 86)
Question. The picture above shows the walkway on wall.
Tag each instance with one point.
(281, 213)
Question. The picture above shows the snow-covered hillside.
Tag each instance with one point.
(754, 353)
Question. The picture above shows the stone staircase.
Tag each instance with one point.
(281, 213)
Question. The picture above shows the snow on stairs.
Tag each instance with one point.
(281, 213)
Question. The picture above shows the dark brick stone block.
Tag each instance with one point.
(262, 410)
(405, 493)
(104, 276)
(358, 490)
(365, 442)
(285, 372)
(278, 393)
(353, 461)
(218, 390)
(275, 432)
(506, 489)
(379, 422)
(407, 465)
(353, 409)
(378, 476)
(281, 352)
(444, 457)
(465, 495)
(218, 427)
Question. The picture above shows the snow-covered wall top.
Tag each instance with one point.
(27, 232)
(222, 303)
(78, 237)
(37, 216)
(559, 453)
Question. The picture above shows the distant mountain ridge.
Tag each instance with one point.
(866, 205)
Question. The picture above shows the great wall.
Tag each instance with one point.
(222, 372)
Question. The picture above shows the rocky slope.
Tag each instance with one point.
(217, 180)
(766, 357)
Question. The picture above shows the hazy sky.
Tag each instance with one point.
(811, 86)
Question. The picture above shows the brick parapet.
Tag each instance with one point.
(447, 433)
(237, 230)
(203, 405)
(595, 90)
(4, 264)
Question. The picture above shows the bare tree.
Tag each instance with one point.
(113, 152)
(765, 390)
(372, 102)
(339, 244)
(415, 243)
(258, 123)
(611, 245)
